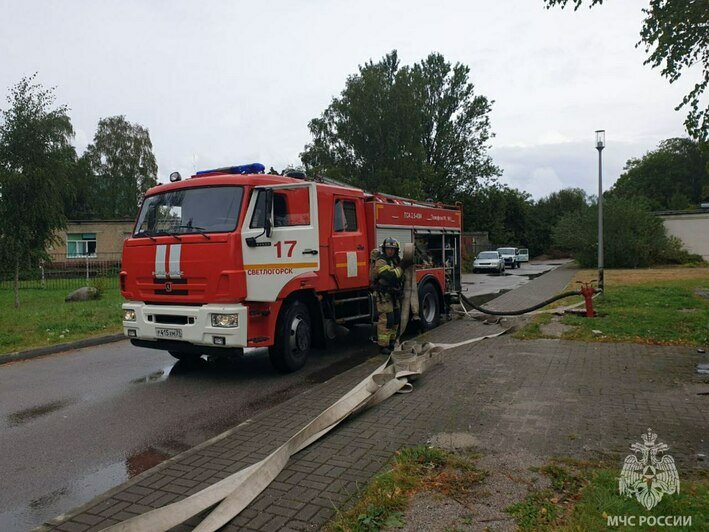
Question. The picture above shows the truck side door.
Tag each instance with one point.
(349, 262)
(293, 247)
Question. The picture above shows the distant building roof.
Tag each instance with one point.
(703, 210)
(114, 221)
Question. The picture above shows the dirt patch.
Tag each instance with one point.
(453, 441)
(702, 292)
(555, 328)
(509, 479)
(643, 275)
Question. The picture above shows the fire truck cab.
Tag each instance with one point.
(232, 258)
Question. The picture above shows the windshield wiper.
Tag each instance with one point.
(167, 233)
(140, 234)
(200, 230)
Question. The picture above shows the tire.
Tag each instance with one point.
(294, 336)
(429, 306)
(185, 357)
(475, 270)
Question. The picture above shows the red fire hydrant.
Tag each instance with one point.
(587, 291)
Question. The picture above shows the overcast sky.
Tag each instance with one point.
(231, 82)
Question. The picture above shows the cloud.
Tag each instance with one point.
(234, 82)
(545, 168)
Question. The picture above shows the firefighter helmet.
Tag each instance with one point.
(392, 243)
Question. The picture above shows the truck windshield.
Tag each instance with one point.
(190, 210)
(506, 251)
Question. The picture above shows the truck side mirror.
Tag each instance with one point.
(268, 211)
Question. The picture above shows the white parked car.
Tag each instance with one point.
(523, 255)
(488, 261)
(510, 257)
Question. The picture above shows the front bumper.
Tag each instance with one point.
(486, 266)
(197, 328)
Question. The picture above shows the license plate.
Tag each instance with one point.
(168, 333)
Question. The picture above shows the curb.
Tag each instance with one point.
(58, 348)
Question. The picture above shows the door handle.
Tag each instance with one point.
(310, 252)
(360, 247)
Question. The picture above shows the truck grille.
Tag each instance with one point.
(171, 287)
(170, 319)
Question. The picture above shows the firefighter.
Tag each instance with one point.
(388, 276)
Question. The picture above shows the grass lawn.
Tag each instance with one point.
(583, 495)
(653, 306)
(382, 503)
(45, 319)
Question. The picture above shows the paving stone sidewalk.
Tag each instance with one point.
(518, 397)
(535, 291)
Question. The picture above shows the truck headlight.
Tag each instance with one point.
(225, 320)
(128, 314)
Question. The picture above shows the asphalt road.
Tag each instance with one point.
(76, 424)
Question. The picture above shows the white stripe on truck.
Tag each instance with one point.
(160, 272)
(174, 269)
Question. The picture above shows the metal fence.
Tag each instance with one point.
(65, 272)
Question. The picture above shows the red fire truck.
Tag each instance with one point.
(233, 258)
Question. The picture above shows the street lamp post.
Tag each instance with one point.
(600, 144)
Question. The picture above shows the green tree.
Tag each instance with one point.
(675, 34)
(501, 211)
(546, 212)
(419, 131)
(633, 236)
(82, 200)
(674, 176)
(121, 158)
(36, 157)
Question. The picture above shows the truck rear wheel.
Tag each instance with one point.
(429, 306)
(293, 338)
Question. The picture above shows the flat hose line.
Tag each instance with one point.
(234, 493)
(519, 312)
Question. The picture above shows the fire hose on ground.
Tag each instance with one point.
(527, 310)
(406, 363)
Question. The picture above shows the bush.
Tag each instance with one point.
(633, 236)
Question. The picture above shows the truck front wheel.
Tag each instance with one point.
(293, 338)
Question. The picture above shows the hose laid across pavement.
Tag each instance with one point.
(234, 493)
(519, 312)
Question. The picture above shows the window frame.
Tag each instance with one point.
(84, 244)
(339, 206)
(254, 222)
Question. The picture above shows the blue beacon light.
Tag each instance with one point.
(253, 168)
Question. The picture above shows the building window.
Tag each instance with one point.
(345, 216)
(80, 245)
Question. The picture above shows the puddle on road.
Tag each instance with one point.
(32, 514)
(703, 369)
(25, 416)
(156, 376)
(338, 367)
(144, 460)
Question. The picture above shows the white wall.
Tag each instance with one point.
(692, 229)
